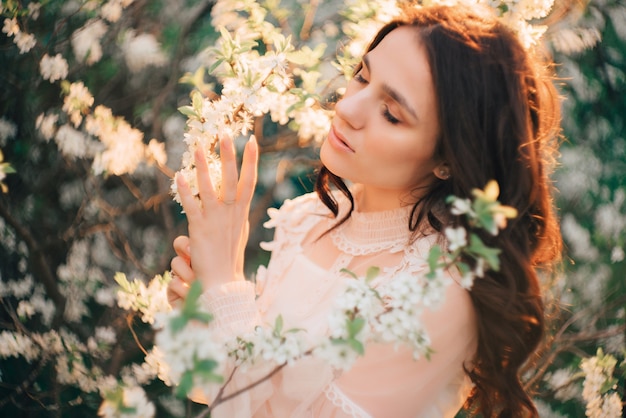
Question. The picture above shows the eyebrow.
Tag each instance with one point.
(396, 96)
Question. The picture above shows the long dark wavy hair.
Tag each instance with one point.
(499, 117)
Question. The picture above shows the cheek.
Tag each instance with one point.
(402, 149)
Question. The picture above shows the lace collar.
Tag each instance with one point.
(370, 232)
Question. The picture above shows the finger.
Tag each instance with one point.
(245, 232)
(173, 298)
(248, 179)
(190, 204)
(205, 185)
(176, 289)
(181, 246)
(181, 268)
(228, 189)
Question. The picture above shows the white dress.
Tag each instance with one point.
(301, 282)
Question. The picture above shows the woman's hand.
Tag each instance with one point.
(182, 273)
(218, 223)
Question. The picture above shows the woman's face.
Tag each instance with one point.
(385, 128)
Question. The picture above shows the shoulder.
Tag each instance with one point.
(293, 212)
(293, 220)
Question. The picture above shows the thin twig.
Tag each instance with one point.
(129, 321)
(309, 18)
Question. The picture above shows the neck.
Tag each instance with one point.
(371, 199)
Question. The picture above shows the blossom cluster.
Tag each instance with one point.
(148, 300)
(254, 84)
(599, 386)
(120, 148)
(483, 212)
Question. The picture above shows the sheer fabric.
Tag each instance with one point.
(301, 282)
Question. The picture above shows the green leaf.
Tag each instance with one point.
(434, 255)
(196, 100)
(356, 345)
(122, 281)
(355, 326)
(608, 385)
(479, 249)
(185, 385)
(278, 325)
(188, 111)
(177, 323)
(349, 273)
(190, 306)
(464, 268)
(6, 168)
(371, 274)
(206, 365)
(203, 317)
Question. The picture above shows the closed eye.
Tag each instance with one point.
(390, 118)
(359, 78)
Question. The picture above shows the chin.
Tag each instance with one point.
(328, 160)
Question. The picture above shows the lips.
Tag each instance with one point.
(338, 141)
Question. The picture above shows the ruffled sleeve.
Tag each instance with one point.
(232, 306)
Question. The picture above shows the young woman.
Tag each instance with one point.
(445, 100)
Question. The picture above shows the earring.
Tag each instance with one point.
(444, 174)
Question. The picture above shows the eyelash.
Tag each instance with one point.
(390, 118)
(386, 113)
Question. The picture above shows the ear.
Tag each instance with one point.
(442, 171)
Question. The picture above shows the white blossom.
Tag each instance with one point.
(561, 381)
(86, 41)
(313, 124)
(34, 9)
(461, 207)
(105, 296)
(14, 344)
(18, 288)
(25, 41)
(11, 27)
(135, 404)
(339, 356)
(148, 300)
(25, 309)
(181, 350)
(155, 151)
(112, 10)
(8, 130)
(124, 147)
(279, 349)
(599, 404)
(457, 238)
(579, 239)
(77, 102)
(617, 254)
(141, 51)
(46, 124)
(72, 143)
(53, 68)
(44, 306)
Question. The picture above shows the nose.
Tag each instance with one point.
(352, 108)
